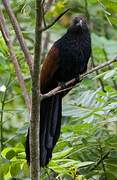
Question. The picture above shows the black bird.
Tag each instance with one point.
(67, 59)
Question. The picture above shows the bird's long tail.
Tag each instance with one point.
(50, 123)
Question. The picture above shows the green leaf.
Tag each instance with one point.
(15, 169)
(4, 170)
(61, 154)
(86, 163)
(8, 153)
(109, 74)
(25, 169)
(19, 148)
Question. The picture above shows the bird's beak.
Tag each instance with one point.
(79, 23)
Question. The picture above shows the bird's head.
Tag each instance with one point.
(78, 24)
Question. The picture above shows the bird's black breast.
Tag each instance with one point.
(74, 52)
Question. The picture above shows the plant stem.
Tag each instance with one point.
(102, 161)
(19, 35)
(92, 57)
(2, 114)
(5, 34)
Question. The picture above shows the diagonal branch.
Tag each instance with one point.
(14, 60)
(103, 157)
(51, 24)
(19, 35)
(70, 84)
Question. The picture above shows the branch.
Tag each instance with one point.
(110, 68)
(3, 101)
(45, 45)
(102, 158)
(99, 161)
(51, 24)
(97, 72)
(92, 57)
(19, 35)
(14, 60)
(70, 84)
(35, 112)
(46, 8)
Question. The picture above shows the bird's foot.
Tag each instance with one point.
(62, 84)
(77, 78)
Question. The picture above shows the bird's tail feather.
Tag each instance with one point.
(50, 123)
(50, 127)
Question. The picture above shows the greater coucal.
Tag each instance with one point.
(66, 60)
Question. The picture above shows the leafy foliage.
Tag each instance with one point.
(87, 148)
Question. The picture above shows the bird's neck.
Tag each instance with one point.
(72, 37)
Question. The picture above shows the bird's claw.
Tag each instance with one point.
(62, 84)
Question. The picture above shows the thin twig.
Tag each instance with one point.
(19, 35)
(14, 60)
(47, 38)
(99, 161)
(97, 73)
(70, 84)
(102, 161)
(110, 68)
(51, 24)
(86, 10)
(2, 113)
(45, 8)
(100, 66)
(45, 45)
(43, 13)
(92, 57)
